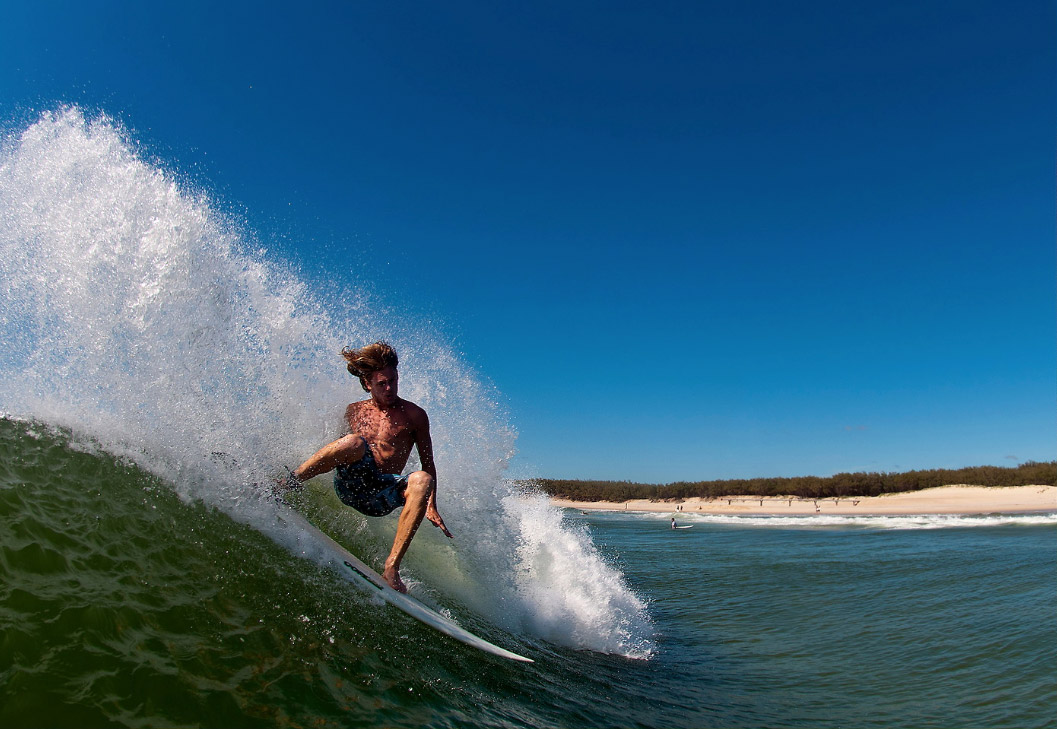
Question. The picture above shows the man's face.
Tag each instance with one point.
(382, 385)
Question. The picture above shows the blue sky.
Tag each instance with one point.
(685, 241)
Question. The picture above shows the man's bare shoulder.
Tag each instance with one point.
(356, 408)
(357, 413)
(415, 414)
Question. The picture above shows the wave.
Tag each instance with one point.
(146, 322)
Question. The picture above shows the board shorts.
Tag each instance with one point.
(365, 488)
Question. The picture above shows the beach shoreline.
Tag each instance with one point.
(954, 499)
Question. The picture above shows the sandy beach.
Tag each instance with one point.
(943, 500)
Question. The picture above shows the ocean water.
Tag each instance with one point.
(145, 581)
(123, 604)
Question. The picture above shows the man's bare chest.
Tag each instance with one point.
(391, 427)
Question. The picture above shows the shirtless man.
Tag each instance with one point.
(367, 462)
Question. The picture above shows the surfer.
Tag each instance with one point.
(381, 431)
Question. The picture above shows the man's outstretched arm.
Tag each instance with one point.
(424, 443)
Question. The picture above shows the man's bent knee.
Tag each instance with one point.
(419, 485)
(351, 448)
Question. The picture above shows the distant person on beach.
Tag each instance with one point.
(381, 431)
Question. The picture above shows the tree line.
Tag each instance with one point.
(809, 487)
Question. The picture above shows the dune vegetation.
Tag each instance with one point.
(814, 487)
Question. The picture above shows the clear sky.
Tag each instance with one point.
(684, 240)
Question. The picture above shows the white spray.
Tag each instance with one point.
(136, 315)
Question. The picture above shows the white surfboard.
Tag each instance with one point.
(688, 526)
(367, 579)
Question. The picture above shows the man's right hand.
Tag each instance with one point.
(289, 482)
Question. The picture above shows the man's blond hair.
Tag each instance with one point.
(367, 360)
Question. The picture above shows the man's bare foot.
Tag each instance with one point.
(392, 576)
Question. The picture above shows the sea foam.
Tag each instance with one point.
(869, 521)
(143, 319)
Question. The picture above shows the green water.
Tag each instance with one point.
(123, 605)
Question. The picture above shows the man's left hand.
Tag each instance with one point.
(434, 517)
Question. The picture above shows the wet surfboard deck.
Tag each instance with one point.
(356, 572)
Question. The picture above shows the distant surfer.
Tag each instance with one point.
(381, 431)
(673, 523)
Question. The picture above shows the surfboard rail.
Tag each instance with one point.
(367, 579)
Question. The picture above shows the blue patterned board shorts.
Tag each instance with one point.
(365, 488)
